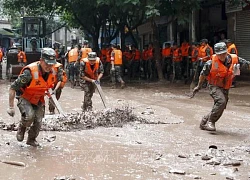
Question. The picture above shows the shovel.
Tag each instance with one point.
(55, 102)
(99, 89)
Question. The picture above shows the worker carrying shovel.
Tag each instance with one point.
(91, 71)
(30, 88)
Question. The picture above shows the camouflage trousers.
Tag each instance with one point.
(89, 89)
(220, 97)
(58, 95)
(31, 116)
(116, 75)
(74, 71)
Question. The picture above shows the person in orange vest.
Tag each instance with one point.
(85, 50)
(126, 61)
(107, 64)
(61, 79)
(103, 54)
(91, 71)
(135, 62)
(167, 60)
(21, 57)
(1, 54)
(194, 59)
(1, 60)
(30, 88)
(204, 54)
(177, 58)
(231, 49)
(151, 62)
(185, 63)
(219, 73)
(74, 57)
(145, 61)
(116, 64)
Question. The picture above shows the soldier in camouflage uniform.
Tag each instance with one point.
(116, 64)
(30, 88)
(91, 71)
(61, 79)
(219, 72)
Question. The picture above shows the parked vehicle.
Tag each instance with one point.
(33, 40)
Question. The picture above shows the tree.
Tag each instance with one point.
(19, 8)
(177, 9)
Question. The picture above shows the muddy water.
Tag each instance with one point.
(172, 149)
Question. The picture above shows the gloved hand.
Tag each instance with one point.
(113, 69)
(11, 111)
(195, 90)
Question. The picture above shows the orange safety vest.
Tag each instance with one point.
(85, 52)
(35, 92)
(21, 57)
(103, 54)
(1, 55)
(64, 78)
(127, 55)
(73, 55)
(118, 57)
(177, 55)
(166, 51)
(108, 55)
(193, 53)
(137, 55)
(220, 75)
(184, 49)
(202, 52)
(93, 74)
(232, 46)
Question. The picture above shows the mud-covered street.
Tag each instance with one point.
(163, 141)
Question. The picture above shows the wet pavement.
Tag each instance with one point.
(165, 142)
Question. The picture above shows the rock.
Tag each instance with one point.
(206, 158)
(235, 170)
(197, 177)
(182, 156)
(232, 163)
(230, 178)
(213, 174)
(214, 162)
(175, 171)
(50, 139)
(159, 157)
(64, 178)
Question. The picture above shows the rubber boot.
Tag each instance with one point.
(203, 123)
(122, 84)
(32, 142)
(20, 132)
(210, 126)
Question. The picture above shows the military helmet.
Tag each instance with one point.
(220, 48)
(92, 56)
(48, 55)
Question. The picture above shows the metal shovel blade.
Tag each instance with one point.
(99, 89)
